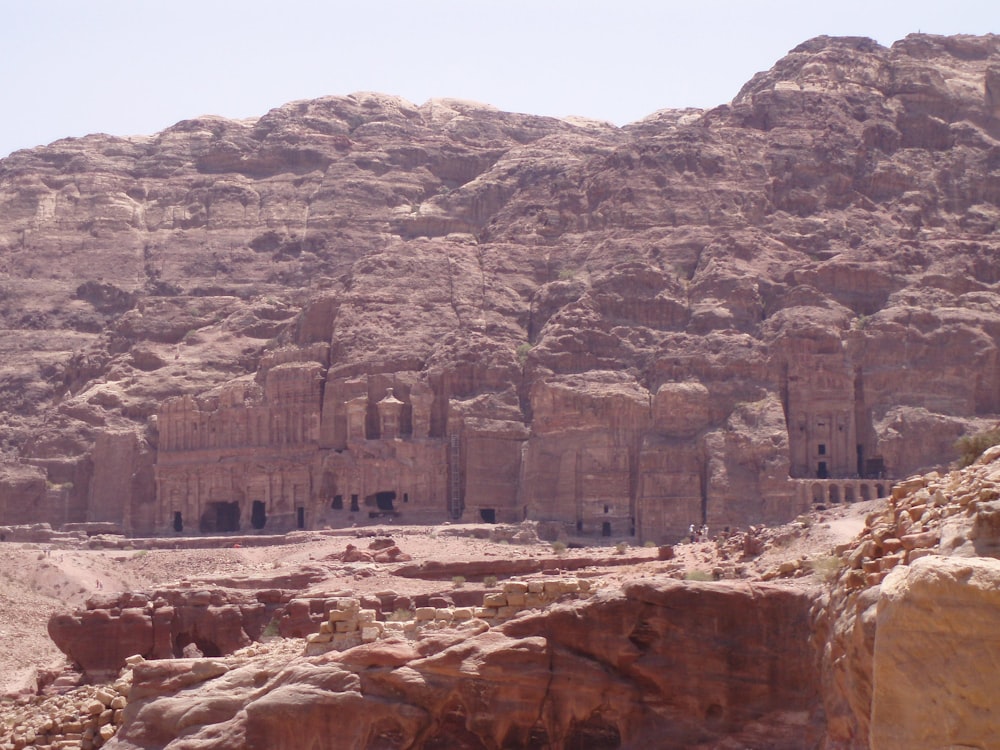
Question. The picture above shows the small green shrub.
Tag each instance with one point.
(971, 447)
(825, 568)
(271, 631)
(522, 352)
(698, 575)
(649, 543)
(558, 547)
(621, 548)
(458, 582)
(400, 615)
(489, 581)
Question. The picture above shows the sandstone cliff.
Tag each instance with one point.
(712, 316)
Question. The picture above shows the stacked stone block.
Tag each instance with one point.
(348, 625)
(953, 514)
(517, 596)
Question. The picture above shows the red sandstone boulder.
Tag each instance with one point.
(624, 669)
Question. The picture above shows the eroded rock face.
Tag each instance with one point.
(99, 638)
(936, 617)
(617, 330)
(917, 587)
(622, 669)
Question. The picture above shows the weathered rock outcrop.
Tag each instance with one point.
(159, 626)
(937, 618)
(618, 330)
(908, 650)
(631, 668)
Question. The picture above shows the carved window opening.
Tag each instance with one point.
(606, 528)
(178, 521)
(406, 497)
(821, 449)
(258, 515)
(338, 502)
(489, 515)
(607, 509)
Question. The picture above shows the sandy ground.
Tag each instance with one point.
(36, 582)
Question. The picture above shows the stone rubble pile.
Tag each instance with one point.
(85, 717)
(931, 514)
(348, 624)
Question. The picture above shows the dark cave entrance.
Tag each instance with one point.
(606, 528)
(489, 515)
(203, 645)
(178, 521)
(258, 515)
(382, 500)
(300, 518)
(220, 518)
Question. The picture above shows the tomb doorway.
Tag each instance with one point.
(220, 518)
(258, 515)
(382, 500)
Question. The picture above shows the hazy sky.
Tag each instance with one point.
(72, 67)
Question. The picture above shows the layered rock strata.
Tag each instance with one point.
(357, 307)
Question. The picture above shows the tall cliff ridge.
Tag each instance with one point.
(356, 307)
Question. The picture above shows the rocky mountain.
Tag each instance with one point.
(356, 307)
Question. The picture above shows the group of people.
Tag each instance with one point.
(698, 534)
